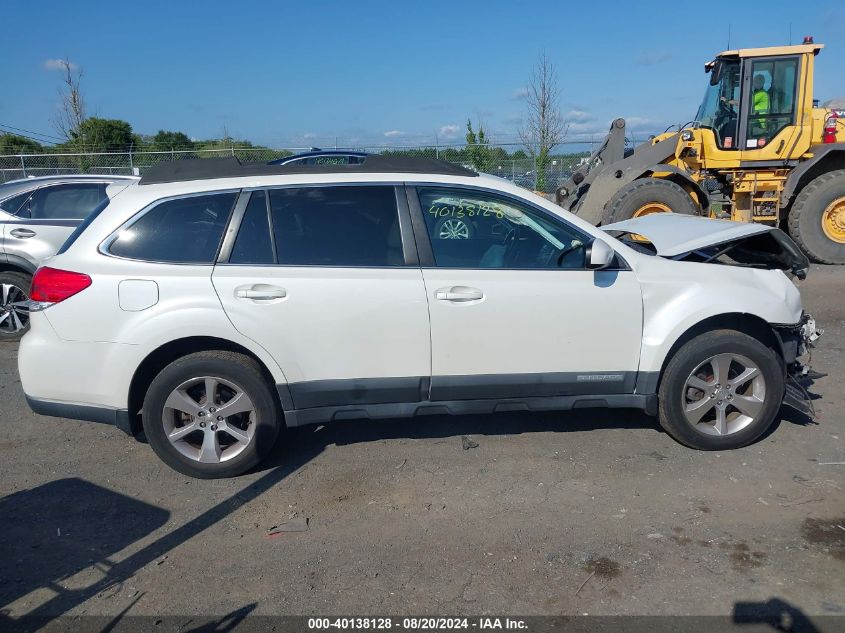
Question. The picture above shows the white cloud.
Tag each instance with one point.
(393, 133)
(639, 121)
(449, 131)
(58, 64)
(309, 135)
(578, 116)
(521, 93)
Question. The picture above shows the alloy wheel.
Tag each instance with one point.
(14, 309)
(209, 419)
(724, 394)
(453, 230)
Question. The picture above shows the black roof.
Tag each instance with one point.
(210, 168)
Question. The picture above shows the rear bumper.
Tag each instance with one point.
(81, 375)
(85, 412)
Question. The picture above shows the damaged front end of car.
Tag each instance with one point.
(685, 238)
(702, 240)
(797, 341)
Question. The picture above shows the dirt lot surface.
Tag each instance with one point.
(593, 512)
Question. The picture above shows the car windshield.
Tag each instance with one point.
(720, 107)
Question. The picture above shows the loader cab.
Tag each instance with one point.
(755, 101)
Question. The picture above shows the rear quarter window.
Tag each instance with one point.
(181, 231)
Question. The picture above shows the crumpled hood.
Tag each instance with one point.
(674, 234)
(693, 238)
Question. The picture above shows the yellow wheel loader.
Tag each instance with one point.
(759, 150)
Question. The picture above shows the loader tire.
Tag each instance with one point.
(637, 197)
(817, 218)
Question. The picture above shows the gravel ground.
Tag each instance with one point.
(593, 512)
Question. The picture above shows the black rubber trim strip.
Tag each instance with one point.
(532, 385)
(87, 413)
(647, 382)
(323, 393)
(320, 415)
(342, 392)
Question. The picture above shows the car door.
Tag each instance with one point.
(514, 311)
(326, 279)
(48, 216)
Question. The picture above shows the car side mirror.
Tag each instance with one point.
(599, 255)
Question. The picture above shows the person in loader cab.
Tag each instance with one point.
(759, 105)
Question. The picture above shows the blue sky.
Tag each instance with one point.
(369, 72)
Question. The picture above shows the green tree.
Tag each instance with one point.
(99, 135)
(14, 144)
(478, 147)
(166, 140)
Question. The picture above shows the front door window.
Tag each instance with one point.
(473, 229)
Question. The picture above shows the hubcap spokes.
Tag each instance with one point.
(454, 230)
(724, 394)
(209, 419)
(14, 309)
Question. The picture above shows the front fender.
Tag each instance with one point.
(677, 299)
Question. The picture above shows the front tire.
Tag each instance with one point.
(721, 390)
(211, 415)
(14, 317)
(817, 218)
(646, 196)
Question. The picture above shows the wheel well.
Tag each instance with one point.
(166, 354)
(831, 161)
(748, 324)
(6, 267)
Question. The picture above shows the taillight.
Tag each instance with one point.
(51, 285)
(829, 131)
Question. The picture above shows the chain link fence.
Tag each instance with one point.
(508, 161)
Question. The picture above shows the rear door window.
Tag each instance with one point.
(181, 231)
(14, 203)
(64, 202)
(336, 226)
(254, 244)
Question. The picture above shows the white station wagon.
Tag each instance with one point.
(214, 302)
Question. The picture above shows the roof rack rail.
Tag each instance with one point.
(209, 168)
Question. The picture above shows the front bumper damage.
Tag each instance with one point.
(797, 341)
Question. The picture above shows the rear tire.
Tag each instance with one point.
(708, 399)
(638, 194)
(209, 438)
(14, 320)
(807, 218)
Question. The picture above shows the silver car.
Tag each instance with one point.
(36, 217)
